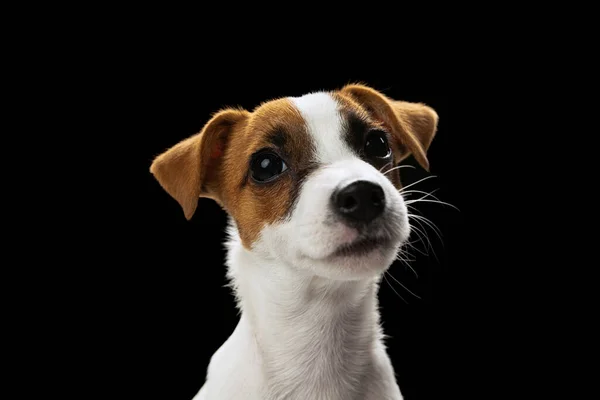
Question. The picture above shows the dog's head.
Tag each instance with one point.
(304, 179)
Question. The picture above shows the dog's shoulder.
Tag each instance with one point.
(234, 372)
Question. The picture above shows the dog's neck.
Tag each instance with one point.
(309, 332)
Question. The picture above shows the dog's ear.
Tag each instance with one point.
(190, 169)
(413, 125)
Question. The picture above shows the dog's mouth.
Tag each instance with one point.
(361, 247)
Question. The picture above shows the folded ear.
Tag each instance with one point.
(190, 169)
(413, 125)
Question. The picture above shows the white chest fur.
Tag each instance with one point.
(299, 337)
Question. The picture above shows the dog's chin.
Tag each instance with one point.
(362, 259)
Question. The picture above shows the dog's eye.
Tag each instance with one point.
(377, 145)
(266, 166)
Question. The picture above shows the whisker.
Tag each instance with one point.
(405, 288)
(424, 233)
(417, 216)
(395, 168)
(429, 223)
(419, 239)
(422, 192)
(400, 257)
(412, 269)
(412, 246)
(388, 282)
(383, 166)
(406, 262)
(431, 201)
(419, 181)
(436, 230)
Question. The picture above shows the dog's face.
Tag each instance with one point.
(308, 180)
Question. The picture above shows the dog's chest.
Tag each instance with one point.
(323, 353)
(339, 369)
(312, 353)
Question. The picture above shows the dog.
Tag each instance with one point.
(316, 217)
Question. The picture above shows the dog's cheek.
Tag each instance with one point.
(259, 207)
(272, 240)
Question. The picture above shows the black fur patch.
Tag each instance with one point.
(355, 134)
(355, 130)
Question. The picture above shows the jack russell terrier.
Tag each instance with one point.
(316, 218)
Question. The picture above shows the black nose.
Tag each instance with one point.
(359, 202)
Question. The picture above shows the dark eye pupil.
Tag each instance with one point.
(377, 145)
(266, 166)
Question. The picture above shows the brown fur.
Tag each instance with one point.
(413, 125)
(191, 169)
(254, 205)
(349, 104)
(215, 162)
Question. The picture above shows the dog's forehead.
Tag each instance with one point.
(321, 125)
(275, 115)
(278, 124)
(325, 125)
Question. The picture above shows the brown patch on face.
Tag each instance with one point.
(412, 125)
(357, 123)
(215, 163)
(278, 126)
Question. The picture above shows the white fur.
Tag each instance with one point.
(309, 326)
(320, 112)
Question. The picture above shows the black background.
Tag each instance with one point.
(173, 311)
(136, 292)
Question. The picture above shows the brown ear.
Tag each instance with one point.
(190, 169)
(413, 125)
